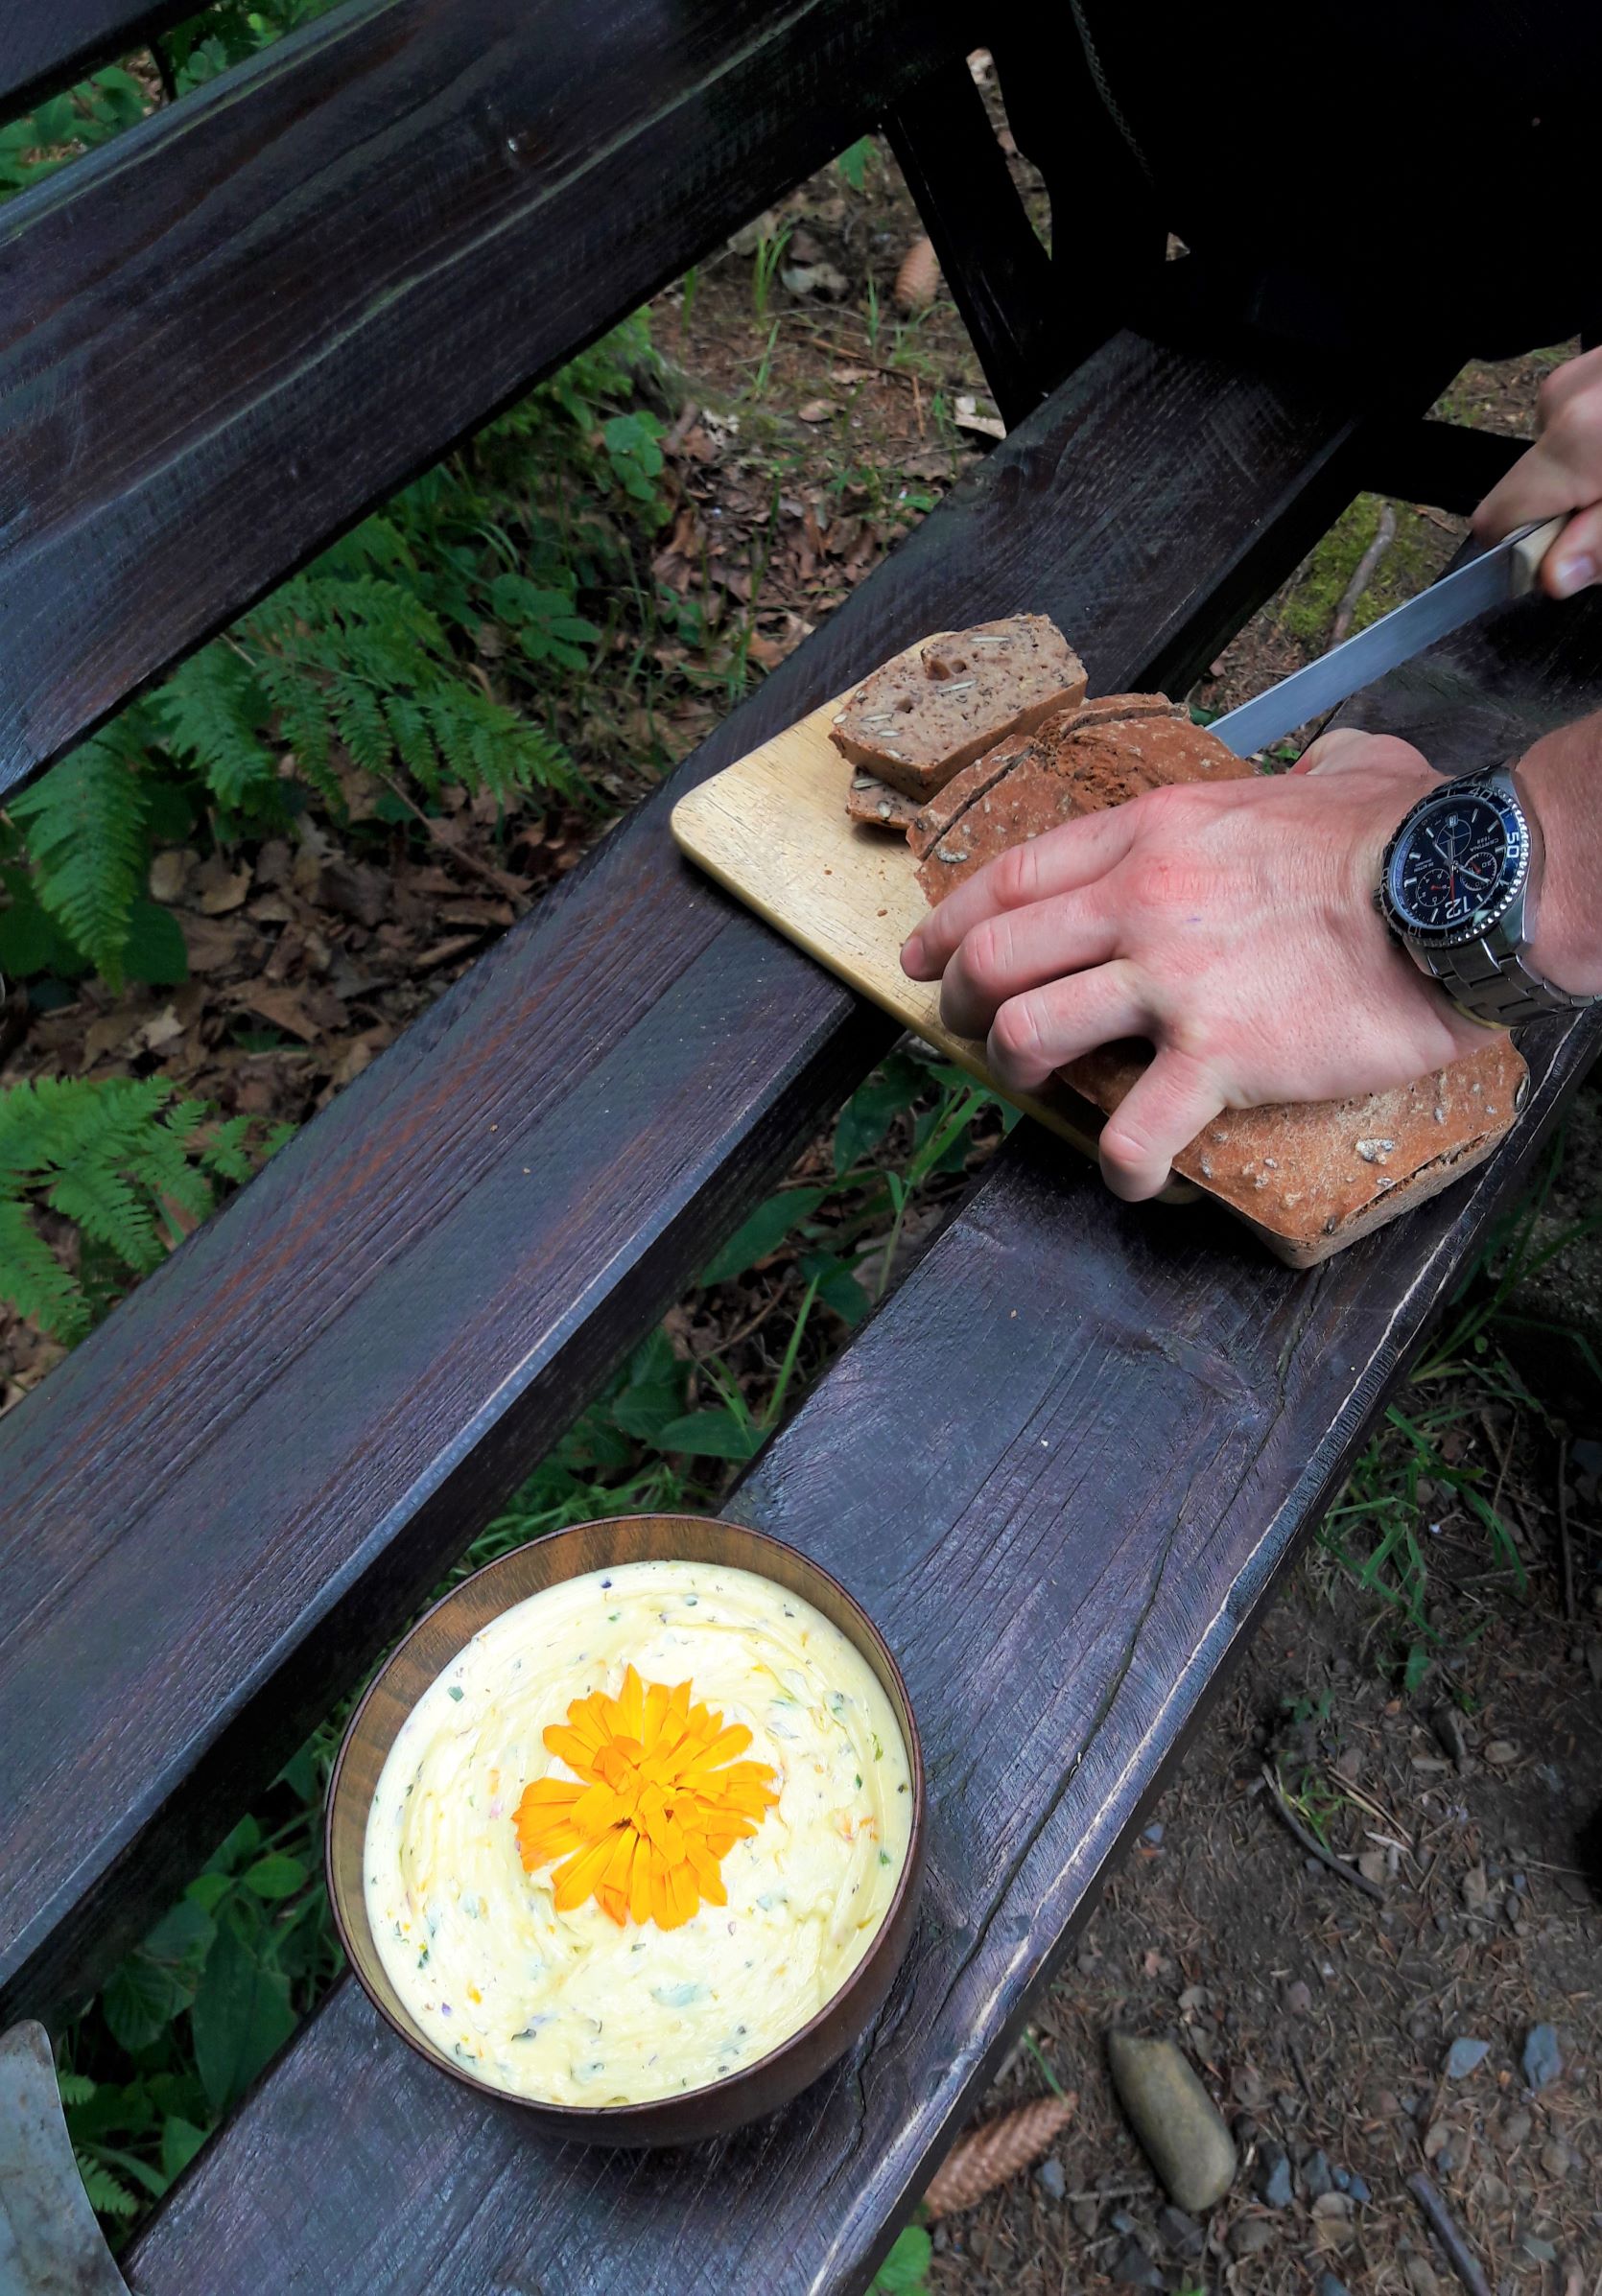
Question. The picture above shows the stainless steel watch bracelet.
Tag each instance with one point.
(1495, 988)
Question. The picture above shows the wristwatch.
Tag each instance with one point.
(1456, 890)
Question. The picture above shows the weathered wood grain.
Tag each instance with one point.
(227, 334)
(1125, 1421)
(47, 44)
(222, 1501)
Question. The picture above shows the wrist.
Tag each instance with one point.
(1559, 782)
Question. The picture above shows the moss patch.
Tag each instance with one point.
(1415, 557)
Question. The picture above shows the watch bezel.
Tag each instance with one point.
(1512, 880)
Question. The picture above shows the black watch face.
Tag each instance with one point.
(1457, 867)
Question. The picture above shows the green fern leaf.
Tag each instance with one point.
(76, 2088)
(109, 2196)
(211, 713)
(86, 824)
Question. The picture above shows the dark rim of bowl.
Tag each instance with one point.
(909, 1877)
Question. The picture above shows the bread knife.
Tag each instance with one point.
(1507, 569)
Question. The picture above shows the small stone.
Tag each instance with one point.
(1556, 2158)
(1448, 1729)
(941, 2241)
(1272, 2181)
(1183, 2233)
(1542, 2251)
(1316, 2179)
(1122, 2221)
(1515, 2128)
(1464, 2055)
(1049, 2177)
(1086, 2218)
(1375, 1152)
(1332, 2206)
(1543, 2058)
(1474, 1888)
(1436, 2139)
(1298, 1997)
(1135, 2269)
(1330, 2285)
(1501, 1751)
(816, 411)
(1180, 2128)
(1249, 2236)
(1342, 2179)
(1153, 1834)
(1357, 2189)
(1421, 2275)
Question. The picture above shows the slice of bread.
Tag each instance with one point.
(876, 806)
(1069, 767)
(933, 709)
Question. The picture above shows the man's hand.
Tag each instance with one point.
(1563, 471)
(1232, 925)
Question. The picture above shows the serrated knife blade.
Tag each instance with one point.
(1505, 571)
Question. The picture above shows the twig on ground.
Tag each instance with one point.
(514, 888)
(1367, 566)
(1442, 2225)
(1314, 1847)
(1566, 1553)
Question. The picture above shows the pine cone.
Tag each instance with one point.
(918, 277)
(996, 2152)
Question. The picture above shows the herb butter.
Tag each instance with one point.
(573, 2006)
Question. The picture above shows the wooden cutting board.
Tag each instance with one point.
(773, 828)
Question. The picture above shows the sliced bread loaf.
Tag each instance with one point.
(933, 709)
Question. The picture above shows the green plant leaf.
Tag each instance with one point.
(904, 2271)
(277, 1875)
(89, 838)
(180, 2142)
(762, 1233)
(711, 1435)
(241, 2017)
(140, 2000)
(867, 1114)
(153, 949)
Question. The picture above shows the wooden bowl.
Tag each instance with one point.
(758, 2089)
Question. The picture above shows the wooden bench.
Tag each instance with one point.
(1062, 1466)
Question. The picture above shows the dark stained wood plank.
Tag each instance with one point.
(221, 1503)
(230, 333)
(1012, 303)
(1125, 1421)
(47, 44)
(1444, 463)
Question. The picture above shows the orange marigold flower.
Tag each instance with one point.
(661, 1802)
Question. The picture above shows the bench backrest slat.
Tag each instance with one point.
(48, 44)
(338, 258)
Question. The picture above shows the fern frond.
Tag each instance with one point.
(32, 1281)
(87, 822)
(109, 2196)
(76, 2088)
(211, 713)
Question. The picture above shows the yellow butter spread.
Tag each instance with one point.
(573, 2006)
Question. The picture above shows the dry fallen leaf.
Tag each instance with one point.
(816, 411)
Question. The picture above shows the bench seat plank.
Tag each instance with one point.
(1063, 1468)
(340, 257)
(220, 1505)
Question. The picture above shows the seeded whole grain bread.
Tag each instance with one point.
(934, 709)
(876, 806)
(1324, 1172)
(1067, 768)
